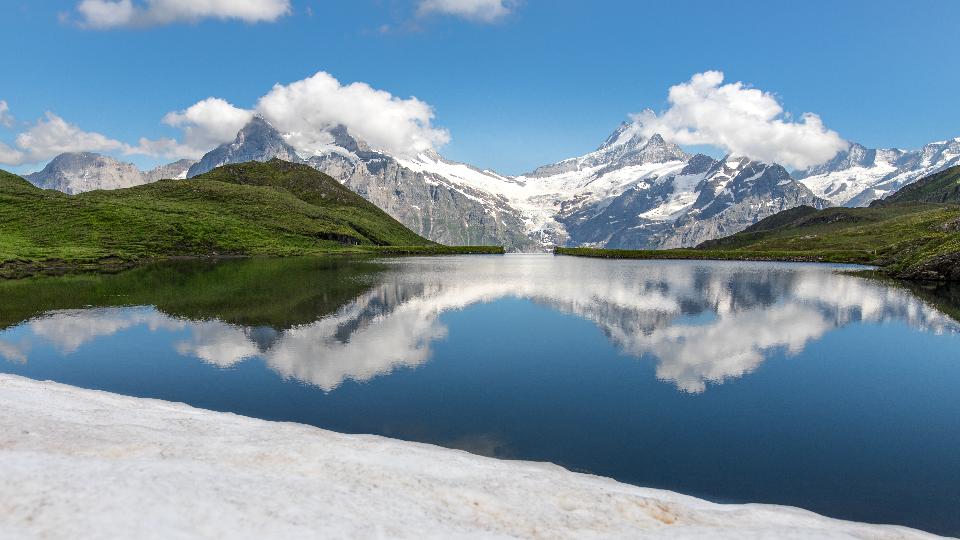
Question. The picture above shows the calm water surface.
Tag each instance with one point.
(737, 382)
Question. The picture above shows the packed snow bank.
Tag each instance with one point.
(80, 464)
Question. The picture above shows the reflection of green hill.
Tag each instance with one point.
(944, 296)
(253, 292)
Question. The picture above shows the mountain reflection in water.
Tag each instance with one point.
(324, 322)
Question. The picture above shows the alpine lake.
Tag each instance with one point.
(782, 383)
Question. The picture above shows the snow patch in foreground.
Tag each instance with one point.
(79, 464)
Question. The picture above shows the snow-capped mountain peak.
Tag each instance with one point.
(627, 134)
(861, 175)
(626, 146)
(258, 140)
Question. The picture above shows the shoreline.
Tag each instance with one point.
(692, 254)
(17, 268)
(83, 463)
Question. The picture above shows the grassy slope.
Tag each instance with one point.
(905, 239)
(274, 208)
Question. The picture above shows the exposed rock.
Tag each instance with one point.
(84, 171)
(176, 171)
(942, 268)
(257, 141)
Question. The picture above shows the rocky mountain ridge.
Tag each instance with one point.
(860, 175)
(78, 172)
(633, 191)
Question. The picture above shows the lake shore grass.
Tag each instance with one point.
(19, 268)
(714, 255)
(908, 241)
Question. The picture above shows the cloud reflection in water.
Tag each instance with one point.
(701, 322)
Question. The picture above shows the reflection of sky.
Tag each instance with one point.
(701, 322)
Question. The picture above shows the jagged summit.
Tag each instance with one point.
(614, 137)
(856, 155)
(698, 164)
(658, 150)
(258, 126)
(626, 146)
(343, 139)
(628, 134)
(628, 143)
(860, 175)
(258, 140)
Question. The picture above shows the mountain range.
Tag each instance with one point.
(79, 172)
(859, 175)
(633, 191)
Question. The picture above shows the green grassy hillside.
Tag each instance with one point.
(272, 209)
(907, 240)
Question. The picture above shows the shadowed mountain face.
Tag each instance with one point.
(257, 141)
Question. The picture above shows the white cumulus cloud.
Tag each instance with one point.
(51, 136)
(741, 120)
(6, 119)
(205, 125)
(306, 108)
(303, 110)
(127, 13)
(474, 10)
(10, 155)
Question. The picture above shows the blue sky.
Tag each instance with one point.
(548, 80)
